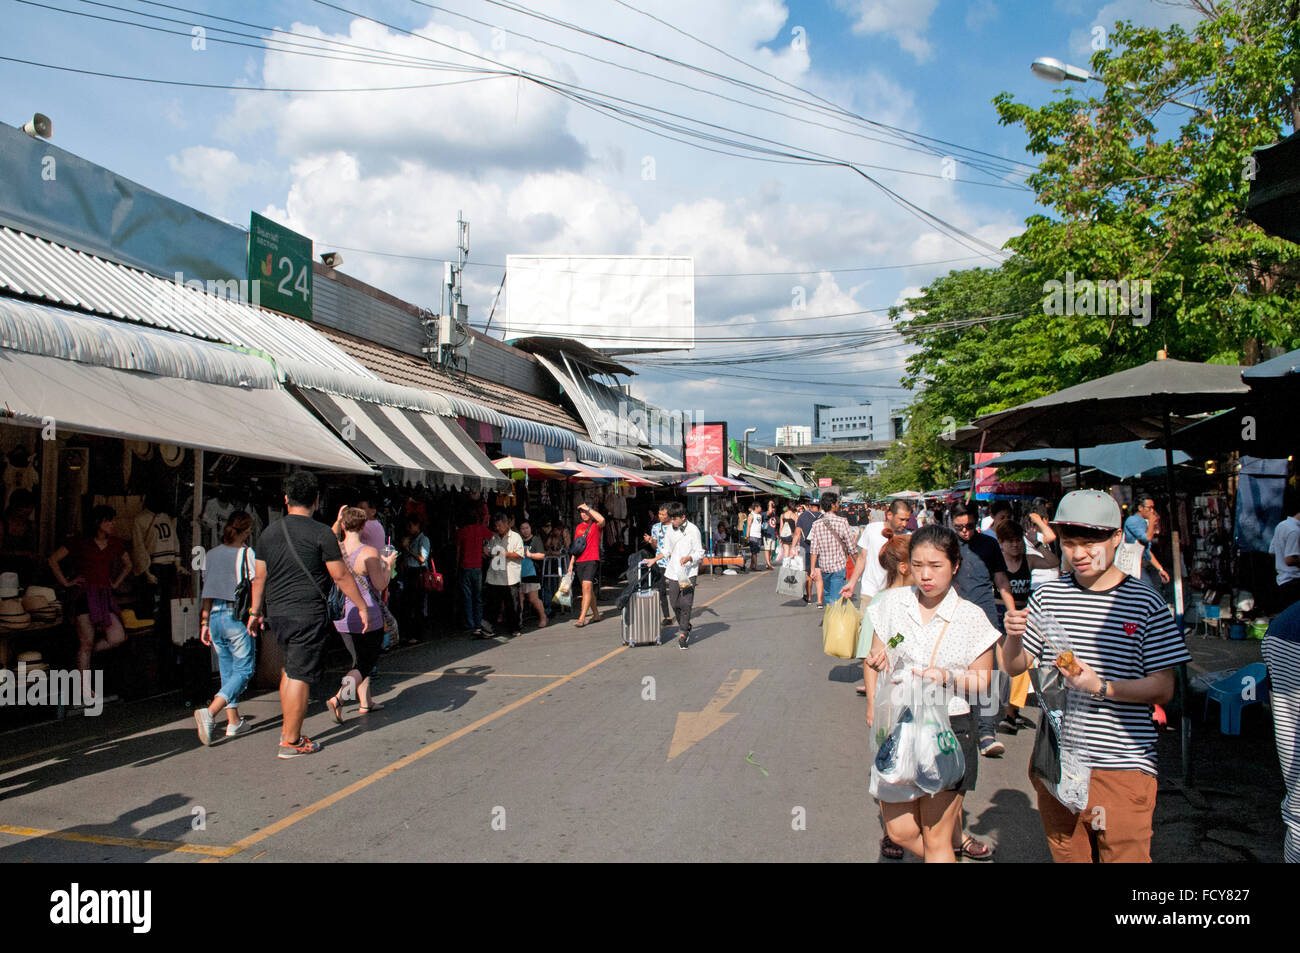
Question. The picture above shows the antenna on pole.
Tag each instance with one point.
(448, 332)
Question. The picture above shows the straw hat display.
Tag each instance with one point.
(42, 606)
(13, 615)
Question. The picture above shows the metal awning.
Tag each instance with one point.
(89, 375)
(36, 268)
(409, 446)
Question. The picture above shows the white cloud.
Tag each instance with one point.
(1141, 12)
(905, 20)
(214, 173)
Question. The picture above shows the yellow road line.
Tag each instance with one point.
(301, 815)
(107, 840)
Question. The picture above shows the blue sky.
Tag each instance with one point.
(534, 173)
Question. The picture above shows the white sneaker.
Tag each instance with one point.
(241, 727)
(204, 719)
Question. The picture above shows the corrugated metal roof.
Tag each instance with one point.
(47, 331)
(35, 268)
(483, 400)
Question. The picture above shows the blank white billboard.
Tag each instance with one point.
(610, 303)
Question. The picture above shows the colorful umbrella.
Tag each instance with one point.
(707, 483)
(534, 469)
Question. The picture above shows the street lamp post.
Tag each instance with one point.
(1054, 71)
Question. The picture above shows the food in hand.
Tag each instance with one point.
(1067, 663)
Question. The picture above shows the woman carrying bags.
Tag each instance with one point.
(947, 642)
(372, 573)
(224, 627)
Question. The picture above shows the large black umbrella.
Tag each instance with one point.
(1141, 403)
(1274, 201)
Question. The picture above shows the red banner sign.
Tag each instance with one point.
(824, 481)
(706, 449)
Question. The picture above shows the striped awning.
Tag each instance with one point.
(409, 446)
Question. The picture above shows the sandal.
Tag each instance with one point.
(889, 850)
(975, 850)
(336, 708)
(374, 706)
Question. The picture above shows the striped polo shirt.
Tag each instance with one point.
(1123, 633)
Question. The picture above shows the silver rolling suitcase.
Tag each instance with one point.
(643, 616)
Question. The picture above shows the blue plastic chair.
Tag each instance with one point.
(1228, 692)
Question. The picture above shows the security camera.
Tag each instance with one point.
(332, 259)
(39, 126)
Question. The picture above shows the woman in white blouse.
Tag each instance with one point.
(949, 642)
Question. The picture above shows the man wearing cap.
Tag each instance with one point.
(1125, 646)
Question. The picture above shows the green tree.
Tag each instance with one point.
(1140, 187)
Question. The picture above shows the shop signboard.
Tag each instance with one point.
(280, 261)
(824, 482)
(704, 449)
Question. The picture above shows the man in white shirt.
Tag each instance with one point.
(867, 565)
(506, 551)
(1286, 553)
(754, 534)
(685, 551)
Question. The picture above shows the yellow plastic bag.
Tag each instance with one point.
(840, 629)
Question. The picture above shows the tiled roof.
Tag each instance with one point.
(399, 368)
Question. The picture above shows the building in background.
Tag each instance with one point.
(864, 421)
(794, 436)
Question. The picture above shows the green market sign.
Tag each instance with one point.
(279, 267)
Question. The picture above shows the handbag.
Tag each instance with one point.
(334, 602)
(430, 579)
(243, 589)
(1128, 559)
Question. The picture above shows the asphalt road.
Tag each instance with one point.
(553, 746)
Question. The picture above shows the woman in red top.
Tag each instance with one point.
(96, 555)
(586, 565)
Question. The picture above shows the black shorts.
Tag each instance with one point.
(586, 571)
(754, 546)
(364, 648)
(966, 728)
(304, 642)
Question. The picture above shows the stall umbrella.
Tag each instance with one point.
(1141, 402)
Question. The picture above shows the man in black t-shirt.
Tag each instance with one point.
(982, 579)
(802, 529)
(298, 560)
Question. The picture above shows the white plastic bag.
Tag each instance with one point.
(940, 764)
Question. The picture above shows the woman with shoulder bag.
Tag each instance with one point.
(227, 597)
(584, 561)
(942, 639)
(372, 573)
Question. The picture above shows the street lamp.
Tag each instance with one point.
(1054, 71)
(744, 462)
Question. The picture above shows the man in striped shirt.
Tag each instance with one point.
(829, 543)
(1126, 647)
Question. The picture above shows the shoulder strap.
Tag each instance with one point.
(298, 559)
(938, 642)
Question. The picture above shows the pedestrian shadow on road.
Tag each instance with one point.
(97, 756)
(701, 632)
(850, 671)
(1012, 817)
(57, 846)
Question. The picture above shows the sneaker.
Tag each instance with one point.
(1008, 726)
(665, 621)
(304, 746)
(992, 748)
(1023, 722)
(241, 727)
(683, 640)
(204, 719)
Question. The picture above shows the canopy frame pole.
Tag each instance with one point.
(1177, 556)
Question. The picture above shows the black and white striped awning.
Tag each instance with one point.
(409, 446)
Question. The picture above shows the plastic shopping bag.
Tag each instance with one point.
(790, 582)
(564, 595)
(940, 764)
(892, 744)
(840, 625)
(1060, 745)
(794, 562)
